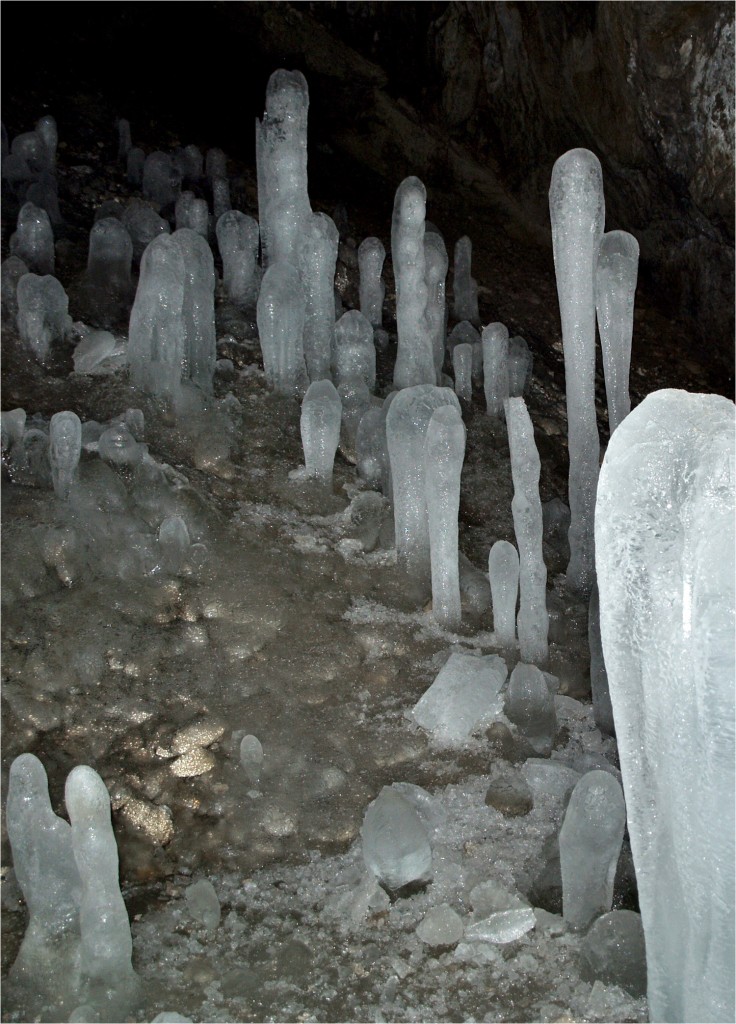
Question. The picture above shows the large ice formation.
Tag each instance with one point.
(576, 209)
(406, 428)
(533, 621)
(590, 844)
(664, 539)
(615, 285)
(280, 315)
(444, 453)
(415, 354)
(317, 259)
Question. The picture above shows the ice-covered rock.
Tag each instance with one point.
(43, 318)
(320, 423)
(406, 427)
(396, 845)
(615, 285)
(280, 315)
(203, 903)
(237, 239)
(355, 353)
(531, 707)
(533, 619)
(615, 951)
(415, 354)
(503, 572)
(577, 212)
(371, 256)
(317, 259)
(590, 844)
(465, 287)
(665, 560)
(495, 340)
(33, 240)
(465, 696)
(444, 454)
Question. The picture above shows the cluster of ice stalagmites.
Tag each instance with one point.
(77, 948)
(664, 540)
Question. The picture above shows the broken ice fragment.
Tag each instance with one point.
(395, 841)
(495, 368)
(371, 255)
(501, 927)
(65, 448)
(577, 211)
(465, 288)
(203, 903)
(464, 696)
(615, 284)
(503, 572)
(590, 844)
(531, 707)
(320, 422)
(443, 456)
(441, 926)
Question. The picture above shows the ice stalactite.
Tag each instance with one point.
(406, 428)
(317, 259)
(415, 354)
(503, 572)
(533, 619)
(435, 277)
(615, 285)
(577, 212)
(280, 315)
(320, 428)
(371, 256)
(281, 158)
(664, 541)
(495, 340)
(465, 287)
(444, 455)
(237, 240)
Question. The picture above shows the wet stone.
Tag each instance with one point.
(510, 795)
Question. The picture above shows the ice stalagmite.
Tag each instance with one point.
(191, 212)
(533, 621)
(107, 945)
(371, 255)
(465, 288)
(576, 209)
(435, 275)
(519, 366)
(503, 571)
(281, 157)
(317, 259)
(602, 710)
(355, 352)
(590, 844)
(42, 316)
(48, 960)
(280, 316)
(107, 289)
(161, 180)
(615, 284)
(320, 427)
(125, 141)
(495, 339)
(155, 335)
(443, 458)
(406, 428)
(47, 128)
(415, 353)
(462, 365)
(664, 540)
(65, 448)
(198, 309)
(237, 239)
(33, 240)
(531, 707)
(221, 202)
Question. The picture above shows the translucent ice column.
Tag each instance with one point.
(33, 239)
(237, 239)
(602, 710)
(155, 335)
(355, 352)
(590, 844)
(317, 259)
(530, 706)
(42, 313)
(108, 281)
(198, 308)
(533, 621)
(435, 276)
(415, 353)
(107, 945)
(664, 540)
(161, 179)
(615, 285)
(465, 288)
(443, 463)
(503, 571)
(495, 340)
(280, 316)
(191, 212)
(577, 212)
(320, 428)
(371, 255)
(48, 959)
(281, 158)
(65, 448)
(406, 428)
(462, 365)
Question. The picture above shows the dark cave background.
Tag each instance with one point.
(477, 99)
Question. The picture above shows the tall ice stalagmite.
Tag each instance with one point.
(664, 541)
(615, 284)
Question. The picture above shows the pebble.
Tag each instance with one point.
(201, 733)
(510, 795)
(196, 762)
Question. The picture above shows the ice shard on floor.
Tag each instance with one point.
(577, 209)
(615, 285)
(664, 540)
(415, 354)
(444, 455)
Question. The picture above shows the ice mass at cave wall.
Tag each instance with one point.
(249, 502)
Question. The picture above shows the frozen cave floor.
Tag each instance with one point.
(292, 631)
